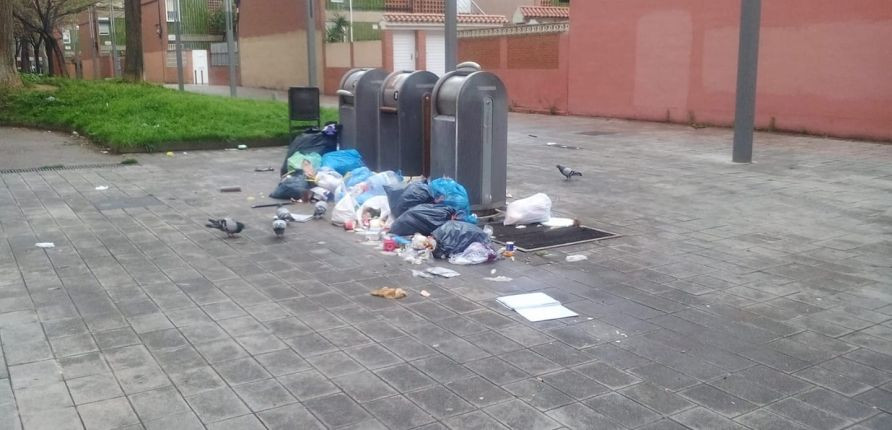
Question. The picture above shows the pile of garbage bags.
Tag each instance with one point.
(422, 218)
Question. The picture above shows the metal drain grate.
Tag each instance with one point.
(62, 167)
(536, 236)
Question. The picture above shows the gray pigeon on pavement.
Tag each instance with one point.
(319, 210)
(284, 214)
(568, 172)
(226, 225)
(279, 227)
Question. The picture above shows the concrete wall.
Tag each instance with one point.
(273, 44)
(533, 68)
(824, 65)
(339, 60)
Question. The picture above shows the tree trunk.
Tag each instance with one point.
(25, 55)
(133, 67)
(9, 76)
(55, 63)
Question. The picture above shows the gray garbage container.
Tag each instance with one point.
(401, 121)
(469, 133)
(358, 108)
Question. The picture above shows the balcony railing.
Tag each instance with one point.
(414, 6)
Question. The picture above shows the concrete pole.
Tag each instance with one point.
(94, 40)
(747, 68)
(451, 35)
(230, 48)
(116, 70)
(179, 44)
(311, 44)
(351, 24)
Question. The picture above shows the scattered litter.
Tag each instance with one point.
(533, 209)
(499, 279)
(230, 189)
(475, 253)
(536, 306)
(508, 195)
(532, 135)
(264, 169)
(509, 250)
(420, 274)
(492, 272)
(488, 230)
(425, 293)
(455, 237)
(442, 271)
(102, 188)
(389, 293)
(104, 151)
(551, 144)
(388, 245)
(243, 146)
(169, 153)
(521, 226)
(560, 222)
(575, 258)
(45, 245)
(321, 242)
(301, 217)
(250, 198)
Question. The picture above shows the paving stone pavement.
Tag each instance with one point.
(739, 296)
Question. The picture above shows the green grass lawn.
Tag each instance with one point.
(128, 117)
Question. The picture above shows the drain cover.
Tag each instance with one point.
(61, 167)
(537, 236)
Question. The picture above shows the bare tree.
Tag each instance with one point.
(44, 17)
(133, 24)
(9, 76)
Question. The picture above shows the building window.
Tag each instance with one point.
(103, 26)
(171, 8)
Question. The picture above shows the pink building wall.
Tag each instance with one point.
(825, 66)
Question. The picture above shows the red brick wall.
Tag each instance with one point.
(333, 79)
(534, 52)
(533, 67)
(484, 51)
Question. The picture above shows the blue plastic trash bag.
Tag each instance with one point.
(422, 219)
(292, 187)
(453, 237)
(403, 198)
(343, 161)
(453, 194)
(355, 176)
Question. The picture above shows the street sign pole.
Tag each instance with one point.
(747, 69)
(179, 43)
(311, 44)
(230, 48)
(451, 35)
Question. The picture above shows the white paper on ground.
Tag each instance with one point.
(301, 217)
(499, 279)
(102, 188)
(559, 222)
(575, 258)
(536, 306)
(442, 271)
(45, 245)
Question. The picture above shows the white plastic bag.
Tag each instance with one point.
(379, 204)
(329, 179)
(536, 208)
(343, 211)
(475, 253)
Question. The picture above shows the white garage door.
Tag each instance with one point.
(435, 57)
(403, 50)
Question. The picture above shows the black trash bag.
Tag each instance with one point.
(422, 219)
(292, 187)
(312, 140)
(403, 198)
(453, 237)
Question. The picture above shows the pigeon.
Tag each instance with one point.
(319, 210)
(279, 227)
(226, 225)
(284, 214)
(568, 172)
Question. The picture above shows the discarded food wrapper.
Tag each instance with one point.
(425, 293)
(389, 293)
(442, 271)
(102, 188)
(232, 189)
(243, 146)
(560, 222)
(499, 279)
(536, 306)
(420, 274)
(575, 258)
(45, 245)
